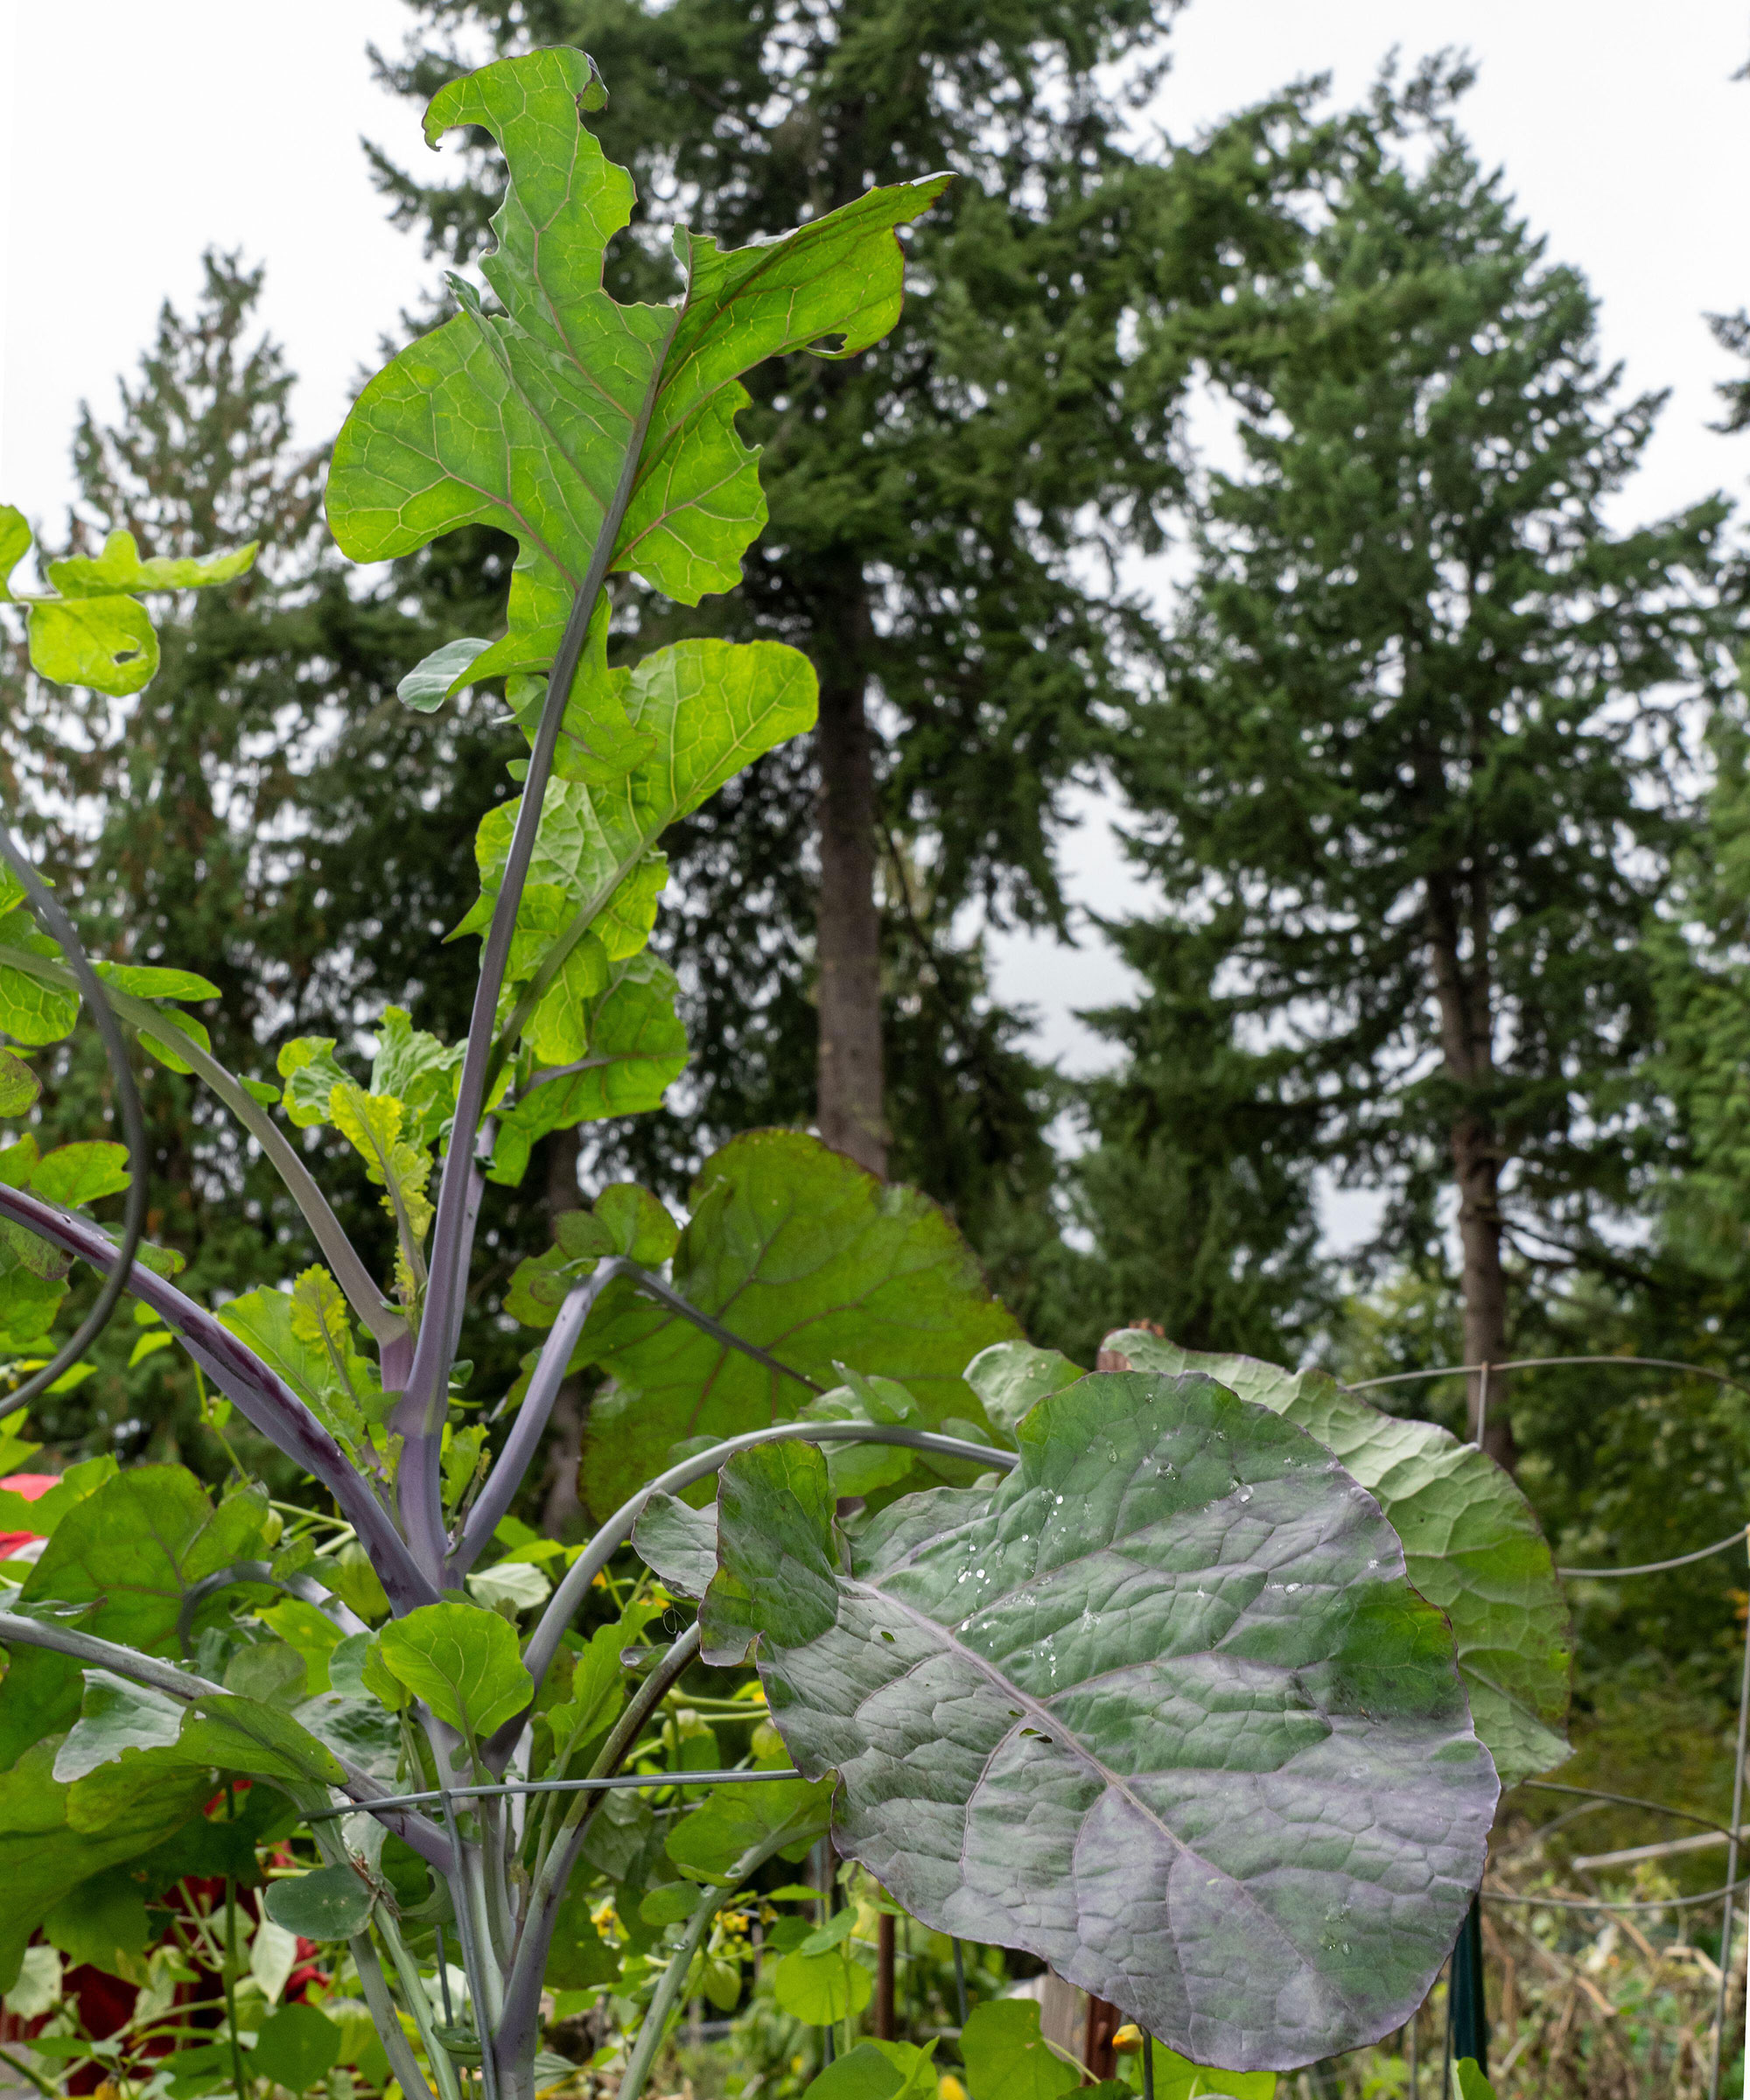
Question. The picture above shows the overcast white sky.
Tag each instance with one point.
(135, 136)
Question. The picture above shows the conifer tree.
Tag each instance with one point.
(949, 511)
(1422, 746)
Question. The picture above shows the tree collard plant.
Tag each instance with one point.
(1134, 1682)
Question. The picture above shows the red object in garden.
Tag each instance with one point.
(31, 1486)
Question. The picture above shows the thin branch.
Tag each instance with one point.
(522, 1990)
(530, 1425)
(264, 1399)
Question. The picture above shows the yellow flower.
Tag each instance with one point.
(1128, 2037)
(949, 2088)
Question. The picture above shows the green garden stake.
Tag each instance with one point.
(1469, 2023)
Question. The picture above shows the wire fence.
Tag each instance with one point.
(1733, 1886)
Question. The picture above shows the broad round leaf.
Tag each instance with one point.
(1163, 1710)
(820, 1988)
(132, 1550)
(331, 1903)
(462, 1660)
(878, 2070)
(1005, 2056)
(801, 1250)
(1472, 1542)
(105, 643)
(297, 2046)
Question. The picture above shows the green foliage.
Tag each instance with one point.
(91, 629)
(1125, 1703)
(928, 501)
(130, 1552)
(878, 2070)
(735, 1820)
(1005, 2056)
(463, 1662)
(1175, 1642)
(1471, 1543)
(54, 1837)
(774, 1510)
(296, 2046)
(331, 1903)
(810, 1257)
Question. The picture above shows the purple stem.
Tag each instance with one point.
(420, 1416)
(420, 1478)
(243, 1378)
(530, 1425)
(522, 1991)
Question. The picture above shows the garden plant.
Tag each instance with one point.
(1195, 1680)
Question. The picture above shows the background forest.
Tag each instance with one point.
(1437, 781)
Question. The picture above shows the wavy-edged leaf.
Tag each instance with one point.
(1163, 1710)
(75, 1174)
(678, 1543)
(329, 1903)
(1012, 1377)
(637, 1048)
(15, 544)
(733, 1821)
(109, 644)
(1471, 1541)
(287, 1329)
(773, 1507)
(1006, 2057)
(432, 680)
(147, 981)
(120, 568)
(528, 419)
(19, 1085)
(803, 1252)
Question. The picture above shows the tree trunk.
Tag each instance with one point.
(1464, 987)
(1476, 1169)
(562, 1510)
(848, 930)
(848, 1105)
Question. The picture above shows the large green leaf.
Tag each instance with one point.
(1161, 1709)
(1470, 1542)
(733, 1821)
(701, 711)
(525, 419)
(132, 1551)
(799, 1250)
(599, 436)
(53, 1837)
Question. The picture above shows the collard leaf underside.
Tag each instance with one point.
(1163, 1710)
(1472, 1542)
